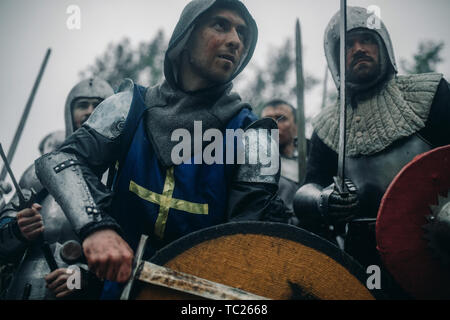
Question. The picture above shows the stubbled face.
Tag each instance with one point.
(363, 58)
(82, 108)
(215, 48)
(282, 114)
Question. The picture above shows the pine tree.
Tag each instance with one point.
(426, 59)
(143, 64)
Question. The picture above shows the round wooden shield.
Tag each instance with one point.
(401, 217)
(272, 260)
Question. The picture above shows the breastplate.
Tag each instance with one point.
(373, 174)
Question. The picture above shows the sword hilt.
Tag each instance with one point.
(341, 187)
(136, 267)
(25, 201)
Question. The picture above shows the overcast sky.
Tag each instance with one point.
(28, 28)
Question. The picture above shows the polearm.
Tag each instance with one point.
(339, 179)
(301, 136)
(26, 111)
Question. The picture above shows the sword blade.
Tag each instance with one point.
(13, 179)
(180, 281)
(342, 112)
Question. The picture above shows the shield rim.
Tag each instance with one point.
(381, 224)
(274, 229)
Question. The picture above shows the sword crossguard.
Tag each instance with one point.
(341, 187)
(136, 267)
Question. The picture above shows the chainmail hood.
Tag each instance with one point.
(191, 14)
(170, 108)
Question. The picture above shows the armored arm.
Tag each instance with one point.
(309, 205)
(254, 186)
(12, 243)
(72, 173)
(320, 168)
(317, 203)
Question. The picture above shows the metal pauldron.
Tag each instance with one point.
(109, 117)
(61, 175)
(259, 140)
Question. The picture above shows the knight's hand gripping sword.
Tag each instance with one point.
(340, 185)
(27, 202)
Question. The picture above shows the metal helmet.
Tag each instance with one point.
(89, 88)
(357, 18)
(51, 141)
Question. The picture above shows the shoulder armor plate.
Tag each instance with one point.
(261, 153)
(109, 117)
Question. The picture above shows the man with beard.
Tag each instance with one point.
(211, 44)
(20, 230)
(390, 120)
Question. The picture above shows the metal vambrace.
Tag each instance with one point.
(311, 203)
(61, 175)
(258, 153)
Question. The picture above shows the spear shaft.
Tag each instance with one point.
(301, 136)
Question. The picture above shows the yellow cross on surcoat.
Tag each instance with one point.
(166, 201)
